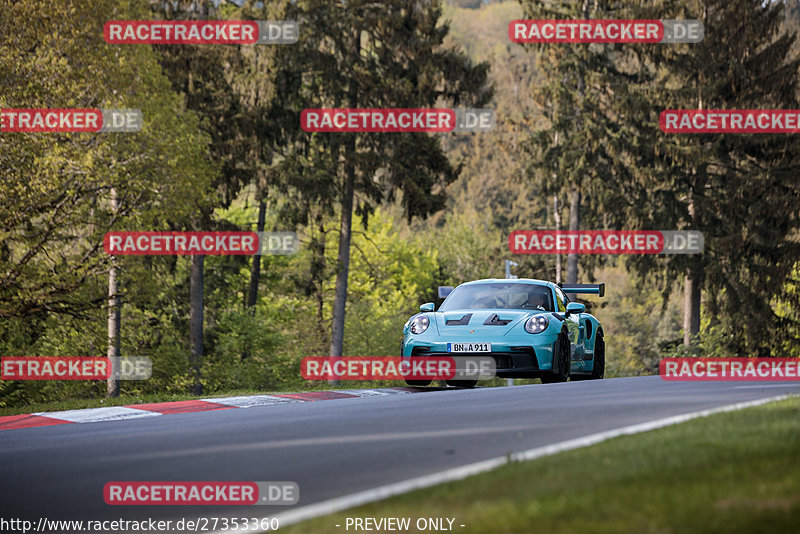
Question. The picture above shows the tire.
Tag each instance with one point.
(469, 384)
(598, 371)
(419, 383)
(562, 373)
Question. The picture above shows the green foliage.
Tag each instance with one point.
(56, 192)
(637, 323)
(390, 273)
(787, 309)
(741, 191)
(470, 247)
(51, 252)
(222, 133)
(240, 356)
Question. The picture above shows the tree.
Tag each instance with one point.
(740, 190)
(266, 83)
(387, 54)
(569, 154)
(203, 75)
(62, 192)
(56, 187)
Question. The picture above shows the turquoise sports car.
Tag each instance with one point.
(529, 327)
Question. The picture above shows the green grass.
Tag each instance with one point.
(730, 473)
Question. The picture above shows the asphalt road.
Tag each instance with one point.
(330, 448)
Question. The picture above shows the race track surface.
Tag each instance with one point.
(331, 448)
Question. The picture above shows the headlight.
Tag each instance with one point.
(419, 324)
(536, 324)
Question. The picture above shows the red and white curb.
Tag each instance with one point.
(135, 411)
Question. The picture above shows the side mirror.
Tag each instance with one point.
(575, 307)
(427, 307)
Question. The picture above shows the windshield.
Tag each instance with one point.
(500, 295)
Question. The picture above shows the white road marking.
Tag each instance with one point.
(116, 413)
(250, 401)
(372, 392)
(338, 504)
(93, 415)
(767, 386)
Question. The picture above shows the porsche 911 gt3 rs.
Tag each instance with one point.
(529, 327)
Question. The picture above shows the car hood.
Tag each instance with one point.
(484, 322)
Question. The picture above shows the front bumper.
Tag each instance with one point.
(513, 358)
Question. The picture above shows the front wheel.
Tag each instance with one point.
(561, 359)
(419, 383)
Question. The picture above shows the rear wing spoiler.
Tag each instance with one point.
(589, 289)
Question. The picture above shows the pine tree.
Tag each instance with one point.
(741, 190)
(570, 154)
(389, 55)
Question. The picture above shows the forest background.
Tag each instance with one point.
(576, 144)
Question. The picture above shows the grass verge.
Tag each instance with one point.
(731, 473)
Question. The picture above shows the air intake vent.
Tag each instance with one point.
(456, 322)
(495, 320)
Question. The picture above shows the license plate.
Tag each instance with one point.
(469, 347)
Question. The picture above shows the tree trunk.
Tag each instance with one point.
(318, 278)
(557, 216)
(255, 266)
(345, 228)
(343, 260)
(196, 320)
(691, 305)
(255, 274)
(112, 384)
(574, 225)
(693, 281)
(575, 191)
